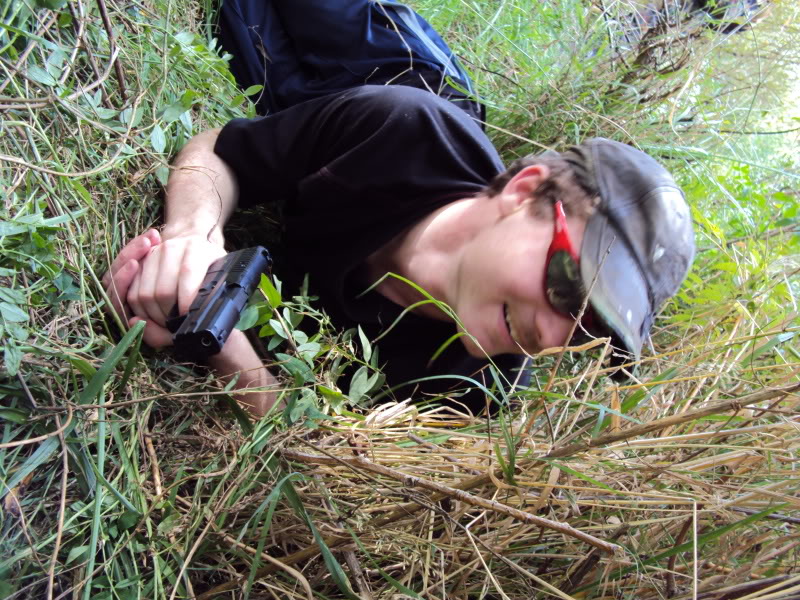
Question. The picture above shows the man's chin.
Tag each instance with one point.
(473, 348)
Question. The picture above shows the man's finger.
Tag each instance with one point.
(166, 288)
(154, 336)
(133, 296)
(136, 249)
(118, 286)
(150, 281)
(192, 273)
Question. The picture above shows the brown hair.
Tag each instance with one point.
(577, 197)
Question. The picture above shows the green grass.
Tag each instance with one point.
(123, 476)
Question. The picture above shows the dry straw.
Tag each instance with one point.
(122, 478)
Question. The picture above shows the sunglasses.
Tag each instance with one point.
(563, 284)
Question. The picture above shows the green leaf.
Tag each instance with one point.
(84, 367)
(10, 228)
(308, 351)
(77, 553)
(128, 519)
(359, 385)
(301, 405)
(105, 114)
(13, 358)
(266, 331)
(162, 174)
(131, 117)
(12, 295)
(186, 121)
(272, 295)
(15, 415)
(336, 399)
(158, 139)
(296, 368)
(278, 327)
(46, 43)
(365, 344)
(169, 523)
(173, 112)
(248, 317)
(185, 38)
(40, 75)
(580, 475)
(13, 313)
(91, 391)
(253, 89)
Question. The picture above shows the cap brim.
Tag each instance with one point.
(619, 293)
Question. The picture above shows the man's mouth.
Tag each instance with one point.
(510, 325)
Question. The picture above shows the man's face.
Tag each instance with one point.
(500, 295)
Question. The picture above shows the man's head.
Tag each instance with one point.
(637, 244)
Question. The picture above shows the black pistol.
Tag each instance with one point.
(229, 283)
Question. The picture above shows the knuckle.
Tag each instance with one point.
(147, 295)
(163, 293)
(186, 269)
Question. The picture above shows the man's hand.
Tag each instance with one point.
(151, 275)
(171, 275)
(124, 270)
(142, 259)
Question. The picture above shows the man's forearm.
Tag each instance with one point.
(201, 192)
(256, 388)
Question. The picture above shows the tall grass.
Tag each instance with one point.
(122, 476)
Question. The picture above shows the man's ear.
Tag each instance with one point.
(520, 188)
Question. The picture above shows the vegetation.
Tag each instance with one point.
(123, 475)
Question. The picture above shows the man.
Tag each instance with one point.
(377, 179)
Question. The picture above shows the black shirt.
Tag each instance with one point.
(351, 171)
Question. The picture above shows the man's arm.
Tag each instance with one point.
(201, 195)
(201, 192)
(157, 270)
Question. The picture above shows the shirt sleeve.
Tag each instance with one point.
(370, 138)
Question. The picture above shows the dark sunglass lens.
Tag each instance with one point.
(563, 284)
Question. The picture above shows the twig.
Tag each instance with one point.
(117, 66)
(442, 453)
(40, 438)
(412, 481)
(670, 575)
(42, 102)
(51, 574)
(27, 391)
(769, 233)
(252, 551)
(583, 567)
(199, 541)
(774, 516)
(349, 555)
(151, 453)
(637, 430)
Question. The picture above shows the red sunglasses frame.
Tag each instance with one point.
(562, 241)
